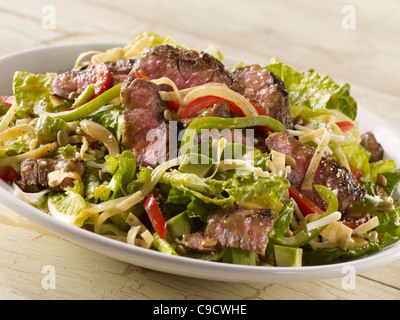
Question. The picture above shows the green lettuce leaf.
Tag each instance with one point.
(108, 116)
(122, 169)
(315, 91)
(32, 93)
(392, 179)
(358, 157)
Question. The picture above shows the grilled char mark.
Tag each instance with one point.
(186, 68)
(369, 142)
(330, 173)
(257, 83)
(34, 173)
(243, 228)
(76, 80)
(145, 130)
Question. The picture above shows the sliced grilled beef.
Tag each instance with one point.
(263, 86)
(145, 130)
(330, 173)
(243, 228)
(187, 68)
(369, 142)
(34, 173)
(74, 81)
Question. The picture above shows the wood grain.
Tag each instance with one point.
(306, 34)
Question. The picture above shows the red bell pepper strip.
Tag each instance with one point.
(345, 125)
(155, 215)
(305, 205)
(140, 76)
(353, 223)
(201, 103)
(8, 174)
(205, 102)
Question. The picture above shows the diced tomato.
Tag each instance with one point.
(8, 101)
(8, 174)
(305, 205)
(155, 215)
(345, 125)
(354, 222)
(140, 76)
(205, 102)
(201, 103)
(356, 172)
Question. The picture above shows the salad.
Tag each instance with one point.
(167, 148)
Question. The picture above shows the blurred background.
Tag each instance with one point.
(355, 41)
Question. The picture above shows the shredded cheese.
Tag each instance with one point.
(17, 131)
(334, 216)
(224, 92)
(116, 206)
(83, 55)
(316, 159)
(55, 178)
(138, 228)
(366, 226)
(37, 153)
(132, 234)
(4, 123)
(176, 92)
(277, 163)
(230, 164)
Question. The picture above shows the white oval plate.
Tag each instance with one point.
(62, 58)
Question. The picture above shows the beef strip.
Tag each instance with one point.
(187, 68)
(330, 173)
(34, 173)
(145, 130)
(369, 142)
(243, 228)
(260, 84)
(76, 80)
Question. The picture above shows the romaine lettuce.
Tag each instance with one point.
(32, 94)
(314, 91)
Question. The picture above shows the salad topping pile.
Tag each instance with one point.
(166, 148)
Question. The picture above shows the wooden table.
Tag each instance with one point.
(353, 41)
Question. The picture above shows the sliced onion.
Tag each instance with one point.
(101, 134)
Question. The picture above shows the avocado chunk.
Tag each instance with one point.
(47, 127)
(179, 225)
(239, 256)
(197, 164)
(287, 256)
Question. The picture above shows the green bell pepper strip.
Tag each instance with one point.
(304, 236)
(163, 245)
(84, 96)
(209, 123)
(90, 106)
